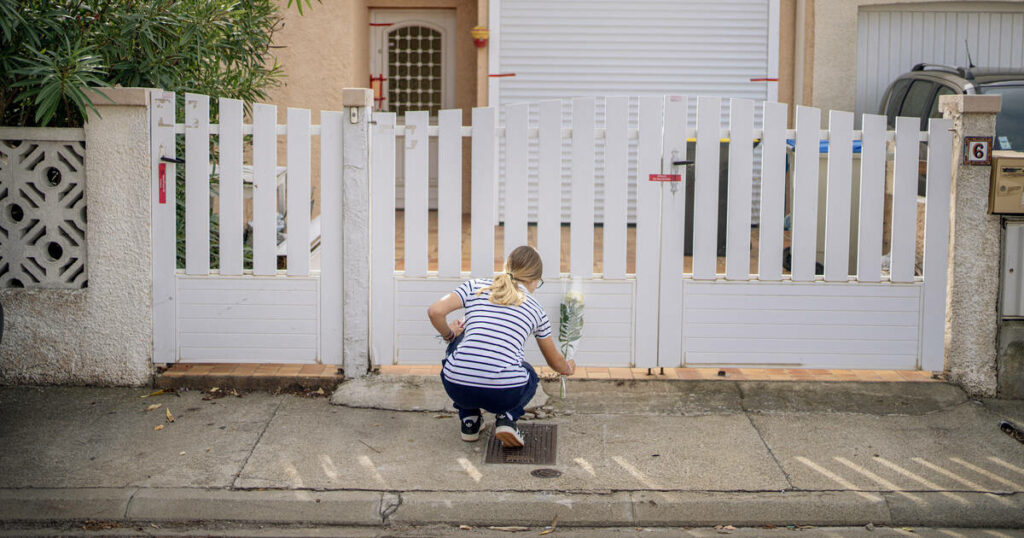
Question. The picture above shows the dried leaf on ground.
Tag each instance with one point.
(510, 529)
(170, 417)
(152, 407)
(465, 527)
(320, 391)
(158, 427)
(154, 393)
(551, 528)
(182, 453)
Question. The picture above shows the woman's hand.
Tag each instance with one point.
(457, 327)
(556, 361)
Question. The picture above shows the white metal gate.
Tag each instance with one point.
(243, 309)
(879, 301)
(659, 307)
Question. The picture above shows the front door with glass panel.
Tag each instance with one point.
(412, 61)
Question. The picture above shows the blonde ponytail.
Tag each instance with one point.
(504, 291)
(523, 265)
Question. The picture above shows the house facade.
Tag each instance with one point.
(830, 54)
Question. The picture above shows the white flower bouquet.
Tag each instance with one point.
(570, 321)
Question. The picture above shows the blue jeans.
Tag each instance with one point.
(470, 400)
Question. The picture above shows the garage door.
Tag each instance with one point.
(891, 39)
(558, 49)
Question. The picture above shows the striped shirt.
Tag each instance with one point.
(491, 352)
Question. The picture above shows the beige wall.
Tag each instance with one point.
(482, 64)
(328, 48)
(787, 48)
(830, 46)
(321, 52)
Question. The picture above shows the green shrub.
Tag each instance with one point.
(53, 51)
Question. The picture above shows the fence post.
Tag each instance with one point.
(973, 286)
(355, 205)
(118, 316)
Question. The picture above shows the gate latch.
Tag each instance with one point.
(675, 163)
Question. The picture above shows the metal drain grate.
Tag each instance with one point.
(541, 442)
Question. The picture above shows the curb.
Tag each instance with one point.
(525, 508)
(64, 504)
(535, 509)
(273, 506)
(706, 509)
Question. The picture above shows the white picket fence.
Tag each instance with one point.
(231, 313)
(658, 315)
(661, 315)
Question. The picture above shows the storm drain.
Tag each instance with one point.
(541, 446)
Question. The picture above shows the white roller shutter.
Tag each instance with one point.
(560, 49)
(892, 39)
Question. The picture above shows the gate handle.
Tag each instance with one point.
(681, 163)
(175, 160)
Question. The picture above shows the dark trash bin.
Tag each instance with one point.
(723, 195)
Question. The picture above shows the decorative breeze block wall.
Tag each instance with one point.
(42, 209)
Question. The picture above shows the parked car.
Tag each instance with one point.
(916, 94)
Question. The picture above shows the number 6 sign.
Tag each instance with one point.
(978, 150)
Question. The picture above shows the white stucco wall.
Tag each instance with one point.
(834, 76)
(102, 334)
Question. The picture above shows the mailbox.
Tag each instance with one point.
(1006, 196)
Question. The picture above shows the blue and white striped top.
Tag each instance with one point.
(491, 352)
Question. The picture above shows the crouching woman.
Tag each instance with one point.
(485, 365)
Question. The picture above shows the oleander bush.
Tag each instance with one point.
(54, 52)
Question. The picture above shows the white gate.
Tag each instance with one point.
(658, 307)
(242, 308)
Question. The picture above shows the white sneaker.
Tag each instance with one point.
(506, 432)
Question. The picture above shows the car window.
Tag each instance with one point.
(917, 100)
(895, 99)
(1010, 120)
(943, 90)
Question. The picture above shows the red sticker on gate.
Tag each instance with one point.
(162, 183)
(666, 177)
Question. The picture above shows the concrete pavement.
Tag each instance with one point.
(421, 531)
(631, 454)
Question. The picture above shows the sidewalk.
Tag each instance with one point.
(631, 453)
